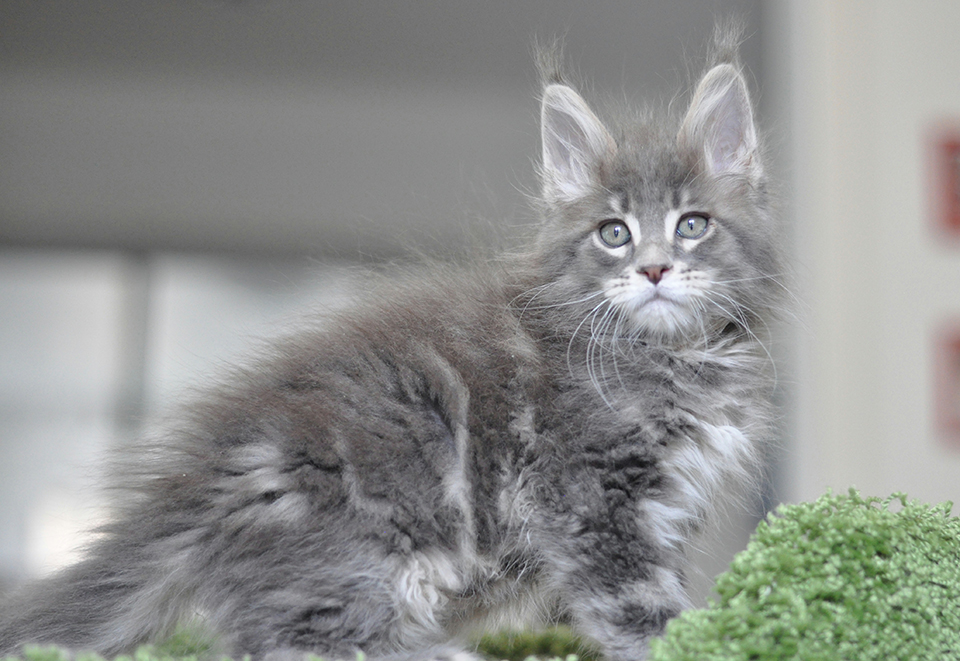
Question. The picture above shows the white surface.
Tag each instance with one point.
(61, 362)
(867, 82)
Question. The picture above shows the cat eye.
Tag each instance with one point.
(614, 234)
(692, 226)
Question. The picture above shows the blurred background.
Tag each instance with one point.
(179, 179)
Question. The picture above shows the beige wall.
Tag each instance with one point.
(861, 86)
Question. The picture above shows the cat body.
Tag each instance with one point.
(527, 440)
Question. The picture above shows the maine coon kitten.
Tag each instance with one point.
(528, 440)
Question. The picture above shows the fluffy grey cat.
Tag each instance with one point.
(529, 440)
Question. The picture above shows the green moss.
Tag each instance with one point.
(844, 577)
(189, 644)
(558, 642)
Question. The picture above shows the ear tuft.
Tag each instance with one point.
(574, 144)
(719, 124)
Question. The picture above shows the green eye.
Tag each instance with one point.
(692, 226)
(614, 234)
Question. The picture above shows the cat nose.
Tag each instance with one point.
(654, 273)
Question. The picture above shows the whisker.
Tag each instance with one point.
(600, 336)
(595, 357)
(576, 331)
(700, 310)
(566, 303)
(775, 278)
(529, 305)
(764, 276)
(539, 290)
(738, 316)
(615, 348)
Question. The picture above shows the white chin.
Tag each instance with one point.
(664, 318)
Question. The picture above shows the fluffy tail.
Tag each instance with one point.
(109, 603)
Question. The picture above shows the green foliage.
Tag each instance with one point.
(51, 653)
(190, 644)
(553, 643)
(844, 577)
(187, 643)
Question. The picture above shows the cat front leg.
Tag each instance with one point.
(622, 619)
(619, 580)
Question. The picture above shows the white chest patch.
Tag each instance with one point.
(697, 468)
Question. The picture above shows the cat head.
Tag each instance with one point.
(662, 228)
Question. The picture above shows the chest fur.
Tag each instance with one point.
(671, 435)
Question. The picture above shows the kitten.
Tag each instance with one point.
(531, 440)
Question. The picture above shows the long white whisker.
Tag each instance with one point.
(595, 354)
(542, 289)
(771, 278)
(615, 348)
(599, 334)
(566, 303)
(775, 279)
(738, 316)
(606, 334)
(539, 290)
(576, 331)
(700, 310)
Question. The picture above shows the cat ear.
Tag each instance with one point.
(719, 124)
(574, 143)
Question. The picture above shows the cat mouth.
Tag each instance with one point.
(659, 312)
(659, 304)
(658, 297)
(643, 302)
(655, 308)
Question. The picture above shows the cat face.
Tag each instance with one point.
(654, 277)
(665, 235)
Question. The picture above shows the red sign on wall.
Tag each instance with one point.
(946, 181)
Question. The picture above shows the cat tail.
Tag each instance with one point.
(118, 597)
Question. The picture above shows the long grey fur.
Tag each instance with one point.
(519, 440)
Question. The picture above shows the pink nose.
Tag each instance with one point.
(654, 273)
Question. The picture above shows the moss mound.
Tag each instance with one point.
(554, 643)
(844, 577)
